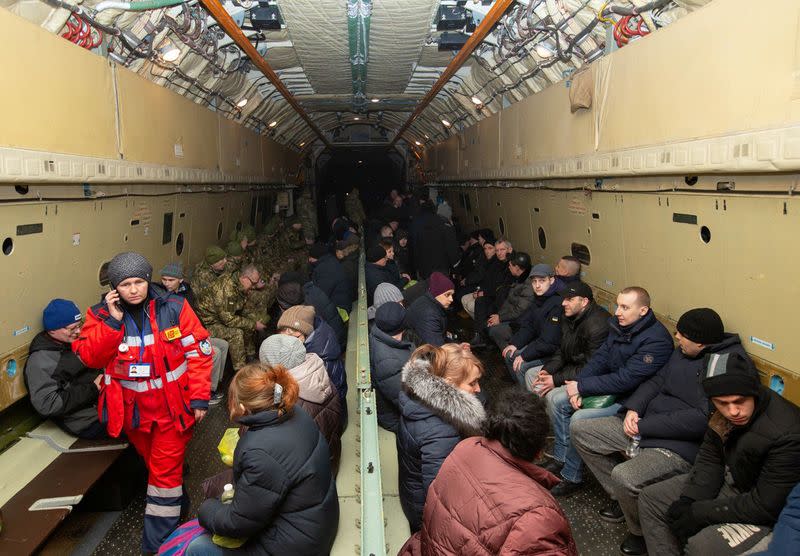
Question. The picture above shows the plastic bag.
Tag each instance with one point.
(227, 445)
(597, 402)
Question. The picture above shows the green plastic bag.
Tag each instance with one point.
(410, 283)
(227, 445)
(598, 402)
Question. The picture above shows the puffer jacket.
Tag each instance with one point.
(374, 275)
(319, 398)
(434, 417)
(486, 502)
(519, 298)
(323, 342)
(350, 267)
(329, 275)
(760, 458)
(285, 499)
(672, 407)
(539, 333)
(387, 357)
(324, 307)
(580, 338)
(428, 319)
(629, 356)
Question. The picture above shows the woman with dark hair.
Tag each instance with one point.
(284, 498)
(489, 497)
(438, 408)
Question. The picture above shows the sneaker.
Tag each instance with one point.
(612, 513)
(216, 398)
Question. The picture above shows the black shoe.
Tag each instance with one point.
(566, 488)
(554, 466)
(633, 545)
(612, 513)
(477, 341)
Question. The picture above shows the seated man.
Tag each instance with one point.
(391, 263)
(60, 385)
(494, 285)
(584, 328)
(427, 315)
(293, 290)
(568, 269)
(172, 279)
(489, 265)
(222, 310)
(511, 301)
(377, 272)
(209, 269)
(746, 467)
(637, 346)
(329, 275)
(539, 332)
(669, 415)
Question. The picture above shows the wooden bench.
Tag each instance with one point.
(42, 477)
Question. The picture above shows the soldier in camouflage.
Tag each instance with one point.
(223, 309)
(209, 269)
(354, 209)
(307, 213)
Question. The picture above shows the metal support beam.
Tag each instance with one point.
(225, 21)
(494, 15)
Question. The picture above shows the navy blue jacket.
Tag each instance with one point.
(539, 333)
(434, 417)
(428, 319)
(329, 275)
(387, 357)
(786, 534)
(326, 308)
(285, 499)
(629, 356)
(375, 275)
(672, 406)
(322, 341)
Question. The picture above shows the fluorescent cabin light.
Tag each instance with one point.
(242, 103)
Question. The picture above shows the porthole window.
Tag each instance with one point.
(102, 276)
(179, 244)
(705, 234)
(8, 246)
(125, 238)
(690, 180)
(22, 189)
(219, 230)
(239, 226)
(542, 238)
(581, 252)
(502, 225)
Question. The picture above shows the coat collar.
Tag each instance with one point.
(538, 474)
(462, 410)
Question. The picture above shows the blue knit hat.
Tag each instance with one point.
(60, 313)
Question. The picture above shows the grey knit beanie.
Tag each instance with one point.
(173, 270)
(128, 265)
(282, 349)
(384, 293)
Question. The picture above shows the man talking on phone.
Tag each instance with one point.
(156, 384)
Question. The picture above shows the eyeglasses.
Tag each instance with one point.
(74, 328)
(253, 281)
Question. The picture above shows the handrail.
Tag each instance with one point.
(373, 538)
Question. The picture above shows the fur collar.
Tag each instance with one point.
(462, 410)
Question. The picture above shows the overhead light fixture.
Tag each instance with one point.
(302, 143)
(169, 52)
(417, 143)
(356, 118)
(446, 123)
(476, 101)
(273, 123)
(426, 137)
(543, 50)
(242, 103)
(376, 100)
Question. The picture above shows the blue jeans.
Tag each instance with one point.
(561, 413)
(203, 546)
(520, 376)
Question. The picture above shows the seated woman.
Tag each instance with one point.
(318, 395)
(285, 499)
(438, 408)
(489, 497)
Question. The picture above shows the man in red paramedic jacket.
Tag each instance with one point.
(156, 385)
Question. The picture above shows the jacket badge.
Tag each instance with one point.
(648, 359)
(123, 347)
(172, 333)
(205, 347)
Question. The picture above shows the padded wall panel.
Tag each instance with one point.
(239, 149)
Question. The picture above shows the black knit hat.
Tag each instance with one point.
(391, 318)
(375, 253)
(730, 374)
(702, 326)
(318, 250)
(291, 276)
(290, 294)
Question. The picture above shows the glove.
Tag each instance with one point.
(682, 521)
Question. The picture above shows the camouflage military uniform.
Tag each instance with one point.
(222, 307)
(204, 276)
(354, 209)
(307, 213)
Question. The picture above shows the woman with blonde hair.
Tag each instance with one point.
(285, 499)
(438, 408)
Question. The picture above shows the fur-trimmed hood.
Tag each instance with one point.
(462, 410)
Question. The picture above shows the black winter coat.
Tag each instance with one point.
(285, 499)
(469, 259)
(496, 277)
(350, 266)
(434, 417)
(672, 406)
(761, 458)
(539, 333)
(433, 244)
(402, 255)
(324, 307)
(322, 341)
(387, 357)
(580, 338)
(329, 275)
(428, 319)
(375, 275)
(629, 356)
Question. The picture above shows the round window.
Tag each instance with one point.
(542, 238)
(179, 244)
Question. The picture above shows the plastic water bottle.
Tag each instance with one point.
(220, 540)
(633, 448)
(227, 494)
